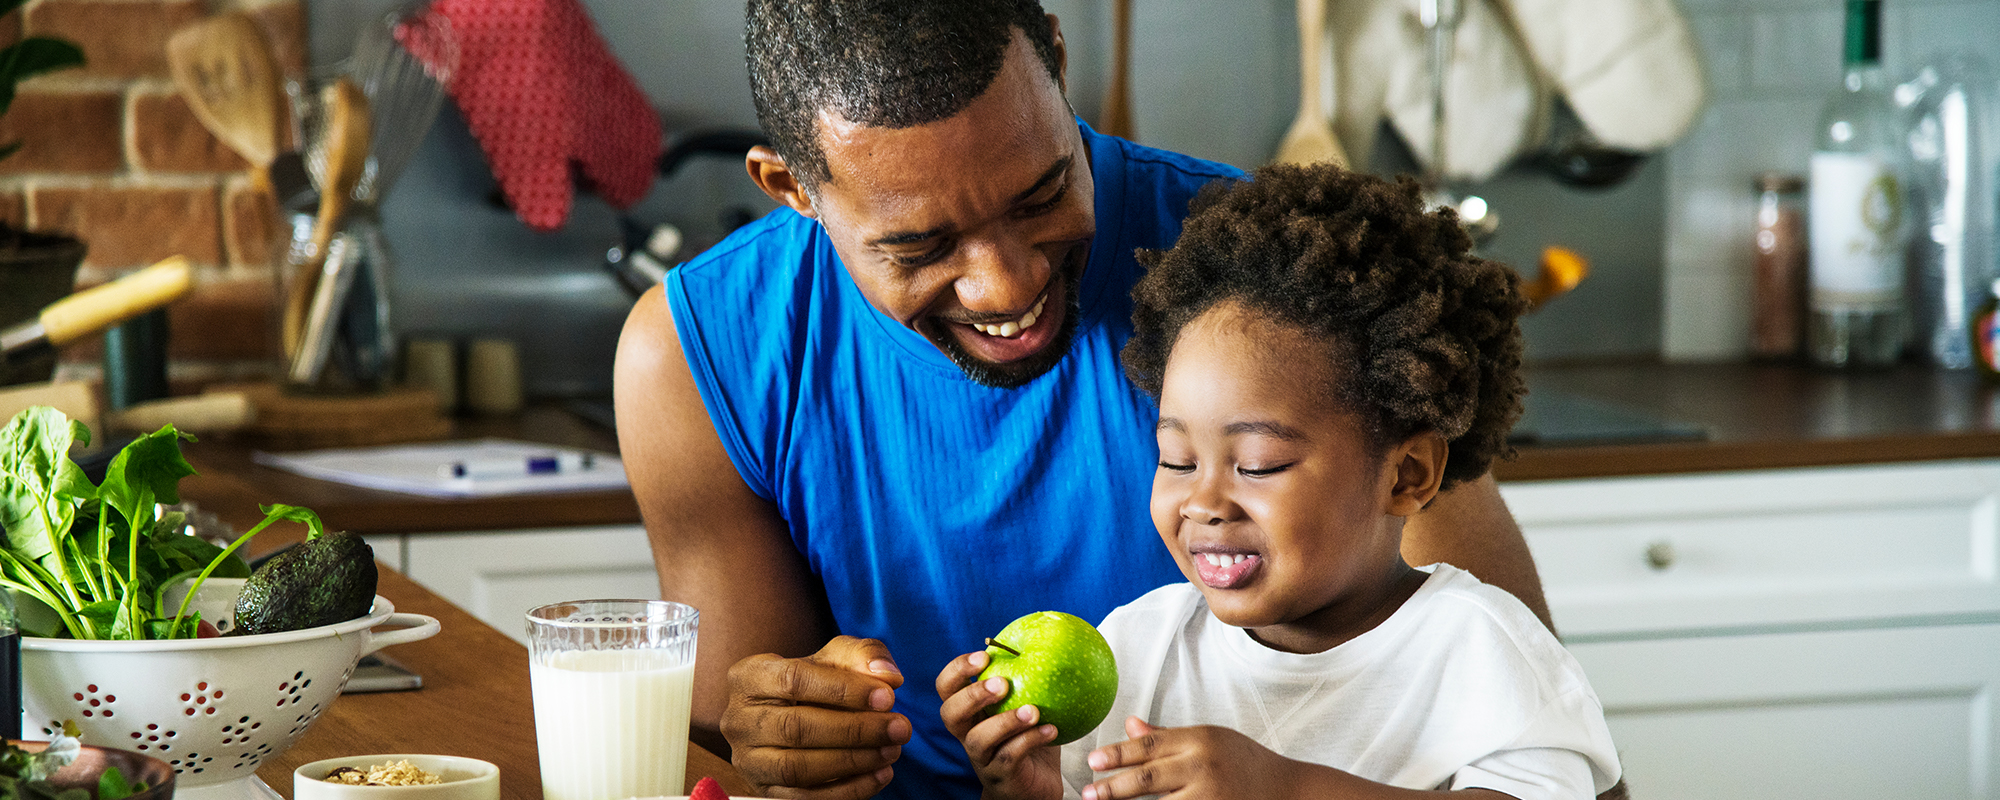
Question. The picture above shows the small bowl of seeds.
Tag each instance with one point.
(397, 777)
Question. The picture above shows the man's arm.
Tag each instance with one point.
(1470, 528)
(718, 546)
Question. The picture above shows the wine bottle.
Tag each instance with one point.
(1859, 221)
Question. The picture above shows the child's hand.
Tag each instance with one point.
(1201, 761)
(1010, 751)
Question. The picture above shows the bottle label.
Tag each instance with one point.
(1986, 341)
(1856, 231)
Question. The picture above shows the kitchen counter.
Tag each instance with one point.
(1752, 417)
(474, 703)
(1769, 417)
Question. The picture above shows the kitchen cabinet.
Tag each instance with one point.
(498, 575)
(1814, 632)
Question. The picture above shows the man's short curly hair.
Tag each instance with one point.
(1421, 334)
(880, 63)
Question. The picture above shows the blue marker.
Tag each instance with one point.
(523, 467)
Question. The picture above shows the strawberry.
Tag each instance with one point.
(707, 789)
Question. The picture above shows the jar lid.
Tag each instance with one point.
(1782, 182)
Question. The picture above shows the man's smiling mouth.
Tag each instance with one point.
(1014, 327)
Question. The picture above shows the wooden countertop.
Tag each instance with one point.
(1771, 416)
(474, 703)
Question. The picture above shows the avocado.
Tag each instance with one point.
(325, 580)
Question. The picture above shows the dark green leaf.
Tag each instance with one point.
(282, 512)
(35, 55)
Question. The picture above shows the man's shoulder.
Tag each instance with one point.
(780, 233)
(1170, 164)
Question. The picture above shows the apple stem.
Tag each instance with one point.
(990, 642)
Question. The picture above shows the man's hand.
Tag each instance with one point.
(1201, 761)
(1009, 751)
(817, 727)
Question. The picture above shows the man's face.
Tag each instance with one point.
(972, 230)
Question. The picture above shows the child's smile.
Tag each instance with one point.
(1272, 496)
(1224, 567)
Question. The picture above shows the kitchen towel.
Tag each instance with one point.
(1628, 67)
(543, 94)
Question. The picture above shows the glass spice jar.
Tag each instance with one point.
(1777, 328)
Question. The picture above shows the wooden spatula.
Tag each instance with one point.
(347, 140)
(1117, 117)
(1311, 137)
(224, 68)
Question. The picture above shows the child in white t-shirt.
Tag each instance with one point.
(1327, 358)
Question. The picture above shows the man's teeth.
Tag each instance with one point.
(1007, 330)
(1223, 559)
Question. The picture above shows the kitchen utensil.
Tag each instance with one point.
(343, 156)
(1117, 117)
(135, 360)
(97, 308)
(224, 68)
(1440, 19)
(211, 412)
(1311, 136)
(94, 760)
(285, 420)
(1575, 156)
(334, 283)
(404, 93)
(214, 709)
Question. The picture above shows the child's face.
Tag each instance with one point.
(1273, 504)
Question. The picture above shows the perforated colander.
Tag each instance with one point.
(214, 709)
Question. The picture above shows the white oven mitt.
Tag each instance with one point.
(1494, 106)
(1628, 67)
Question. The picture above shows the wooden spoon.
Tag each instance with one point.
(1117, 119)
(224, 68)
(1311, 137)
(347, 138)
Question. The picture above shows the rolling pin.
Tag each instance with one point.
(97, 308)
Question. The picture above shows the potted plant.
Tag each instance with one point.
(36, 269)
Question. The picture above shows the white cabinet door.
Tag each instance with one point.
(498, 576)
(1863, 714)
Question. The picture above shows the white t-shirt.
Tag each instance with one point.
(1462, 687)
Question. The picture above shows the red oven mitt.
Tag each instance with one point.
(542, 92)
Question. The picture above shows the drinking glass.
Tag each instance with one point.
(613, 684)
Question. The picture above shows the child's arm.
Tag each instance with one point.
(1211, 761)
(1009, 751)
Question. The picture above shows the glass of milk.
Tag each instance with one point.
(613, 681)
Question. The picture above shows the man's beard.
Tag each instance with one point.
(1015, 374)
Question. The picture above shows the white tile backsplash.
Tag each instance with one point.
(1771, 64)
(1795, 50)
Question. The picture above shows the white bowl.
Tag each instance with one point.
(214, 709)
(464, 779)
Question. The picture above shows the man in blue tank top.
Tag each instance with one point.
(873, 427)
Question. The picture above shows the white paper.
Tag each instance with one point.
(415, 468)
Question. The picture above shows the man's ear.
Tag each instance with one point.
(1062, 54)
(1419, 471)
(768, 170)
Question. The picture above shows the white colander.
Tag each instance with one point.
(214, 709)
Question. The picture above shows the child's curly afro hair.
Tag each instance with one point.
(1421, 335)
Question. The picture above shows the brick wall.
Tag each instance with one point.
(112, 155)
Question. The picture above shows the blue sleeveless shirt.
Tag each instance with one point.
(936, 510)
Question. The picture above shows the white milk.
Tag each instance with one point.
(612, 724)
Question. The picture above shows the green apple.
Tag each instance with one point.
(1059, 664)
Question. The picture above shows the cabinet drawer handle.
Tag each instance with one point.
(1660, 555)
